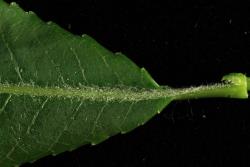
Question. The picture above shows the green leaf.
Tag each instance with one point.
(59, 91)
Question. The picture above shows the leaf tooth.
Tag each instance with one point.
(123, 132)
(31, 13)
(49, 23)
(14, 4)
(118, 53)
(93, 143)
(84, 35)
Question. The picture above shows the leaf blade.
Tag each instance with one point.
(43, 55)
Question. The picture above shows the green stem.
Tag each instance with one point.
(234, 85)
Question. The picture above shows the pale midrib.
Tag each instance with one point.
(116, 94)
(86, 93)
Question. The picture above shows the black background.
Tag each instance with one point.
(181, 43)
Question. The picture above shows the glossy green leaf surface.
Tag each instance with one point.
(53, 85)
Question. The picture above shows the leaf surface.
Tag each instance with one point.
(59, 91)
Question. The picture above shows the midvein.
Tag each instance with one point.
(123, 93)
(86, 92)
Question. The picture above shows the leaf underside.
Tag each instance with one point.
(34, 54)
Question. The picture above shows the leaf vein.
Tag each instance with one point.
(12, 58)
(5, 104)
(126, 115)
(98, 118)
(108, 66)
(36, 116)
(79, 64)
